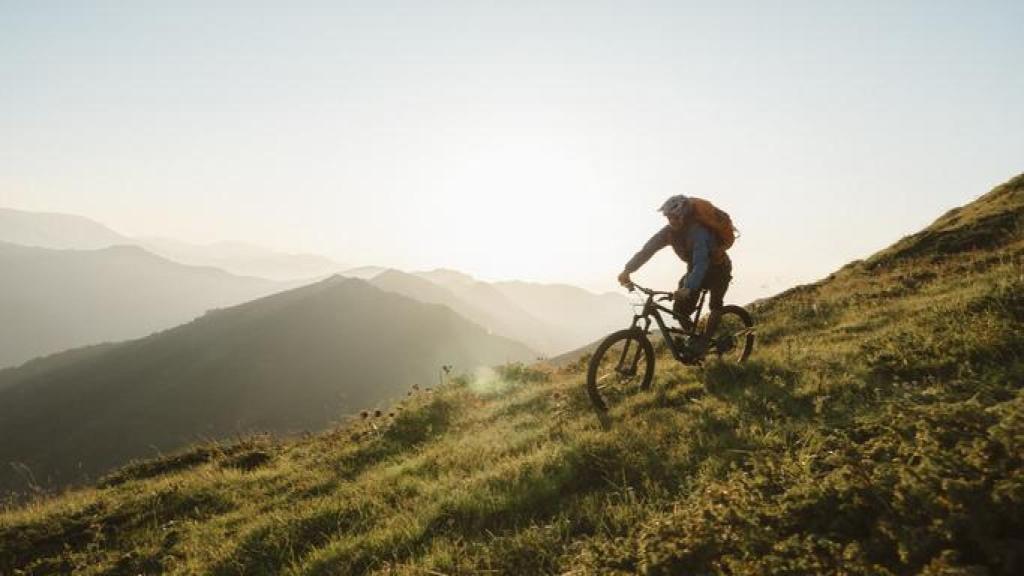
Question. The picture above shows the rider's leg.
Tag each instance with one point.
(683, 309)
(717, 283)
(713, 317)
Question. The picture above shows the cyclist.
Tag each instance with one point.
(707, 266)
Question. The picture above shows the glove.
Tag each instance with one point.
(624, 279)
(682, 294)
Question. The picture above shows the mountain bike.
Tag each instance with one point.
(624, 361)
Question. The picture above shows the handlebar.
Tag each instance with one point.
(652, 293)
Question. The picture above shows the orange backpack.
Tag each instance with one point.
(716, 220)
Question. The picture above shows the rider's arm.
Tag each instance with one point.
(657, 242)
(700, 258)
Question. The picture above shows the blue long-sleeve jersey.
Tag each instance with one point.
(694, 244)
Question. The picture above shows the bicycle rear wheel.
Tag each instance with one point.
(622, 364)
(733, 340)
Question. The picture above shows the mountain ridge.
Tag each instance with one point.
(54, 230)
(57, 230)
(56, 299)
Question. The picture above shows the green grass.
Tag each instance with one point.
(878, 429)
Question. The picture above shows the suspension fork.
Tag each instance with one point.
(630, 369)
(646, 323)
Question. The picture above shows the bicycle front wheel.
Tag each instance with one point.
(622, 364)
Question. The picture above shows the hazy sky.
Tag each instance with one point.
(529, 140)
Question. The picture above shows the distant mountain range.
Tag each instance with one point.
(364, 272)
(553, 318)
(579, 316)
(52, 300)
(60, 231)
(244, 259)
(550, 318)
(284, 363)
(65, 231)
(480, 302)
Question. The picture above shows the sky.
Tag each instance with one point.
(513, 140)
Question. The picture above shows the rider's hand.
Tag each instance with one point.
(624, 279)
(682, 294)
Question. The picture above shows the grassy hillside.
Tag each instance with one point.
(290, 362)
(879, 429)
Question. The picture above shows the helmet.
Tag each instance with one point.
(675, 206)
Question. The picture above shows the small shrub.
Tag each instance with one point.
(414, 426)
(519, 372)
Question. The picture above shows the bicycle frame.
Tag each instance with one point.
(653, 309)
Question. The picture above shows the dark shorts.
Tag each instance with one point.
(716, 282)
